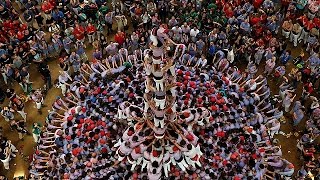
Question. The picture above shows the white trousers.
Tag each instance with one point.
(121, 115)
(160, 103)
(273, 132)
(286, 34)
(23, 114)
(146, 106)
(304, 36)
(36, 137)
(173, 91)
(159, 85)
(172, 70)
(294, 39)
(5, 78)
(166, 168)
(145, 163)
(39, 104)
(147, 90)
(158, 123)
(13, 148)
(120, 158)
(63, 88)
(91, 37)
(118, 143)
(156, 61)
(190, 161)
(135, 163)
(6, 162)
(183, 165)
(98, 34)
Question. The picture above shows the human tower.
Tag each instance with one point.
(160, 138)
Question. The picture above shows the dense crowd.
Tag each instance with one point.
(233, 113)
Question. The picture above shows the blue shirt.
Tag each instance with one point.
(272, 26)
(314, 60)
(67, 43)
(284, 58)
(245, 26)
(57, 16)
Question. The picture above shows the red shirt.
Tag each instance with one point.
(308, 87)
(316, 22)
(20, 35)
(260, 42)
(91, 29)
(254, 20)
(78, 32)
(47, 7)
(258, 30)
(119, 38)
(303, 19)
(23, 27)
(220, 3)
(53, 2)
(309, 25)
(3, 38)
(8, 25)
(228, 12)
(257, 3)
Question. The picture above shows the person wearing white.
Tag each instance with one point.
(287, 28)
(63, 79)
(6, 160)
(295, 33)
(202, 62)
(193, 33)
(274, 127)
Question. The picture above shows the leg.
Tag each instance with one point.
(146, 107)
(162, 104)
(5, 79)
(144, 163)
(49, 84)
(23, 114)
(161, 86)
(38, 105)
(166, 168)
(35, 137)
(90, 38)
(20, 135)
(161, 123)
(63, 89)
(306, 35)
(156, 122)
(157, 85)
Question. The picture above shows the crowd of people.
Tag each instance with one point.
(227, 112)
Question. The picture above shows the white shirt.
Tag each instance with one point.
(194, 33)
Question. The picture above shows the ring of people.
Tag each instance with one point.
(180, 93)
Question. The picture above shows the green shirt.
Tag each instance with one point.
(127, 64)
(104, 10)
(36, 130)
(212, 6)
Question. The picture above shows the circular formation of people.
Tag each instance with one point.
(164, 99)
